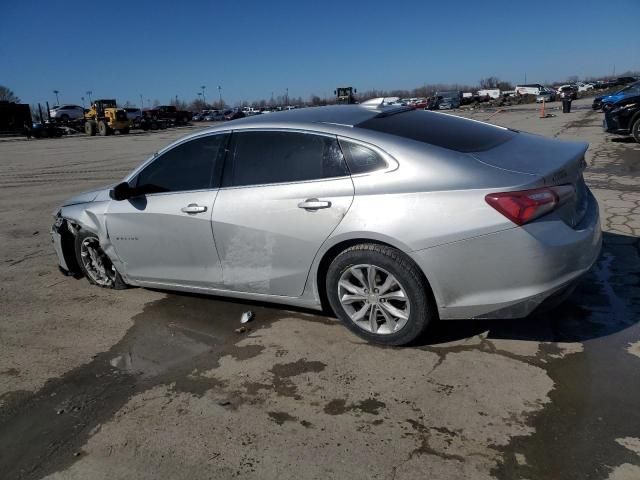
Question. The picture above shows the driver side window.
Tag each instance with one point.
(188, 166)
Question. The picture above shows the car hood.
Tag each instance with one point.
(90, 196)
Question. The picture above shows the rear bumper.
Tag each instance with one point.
(509, 274)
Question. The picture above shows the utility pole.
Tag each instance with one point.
(204, 99)
(220, 95)
(141, 102)
(82, 98)
(57, 99)
(89, 92)
(286, 98)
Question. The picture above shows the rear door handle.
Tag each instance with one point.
(314, 204)
(194, 208)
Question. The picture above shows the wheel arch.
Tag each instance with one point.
(332, 251)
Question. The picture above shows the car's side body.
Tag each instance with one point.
(426, 200)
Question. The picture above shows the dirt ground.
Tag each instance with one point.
(98, 384)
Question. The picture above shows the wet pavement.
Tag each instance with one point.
(171, 389)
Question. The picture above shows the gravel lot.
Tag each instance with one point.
(98, 384)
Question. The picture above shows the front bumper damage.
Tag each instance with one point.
(63, 239)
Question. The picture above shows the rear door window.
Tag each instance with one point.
(276, 157)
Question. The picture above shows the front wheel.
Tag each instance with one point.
(380, 294)
(635, 130)
(94, 263)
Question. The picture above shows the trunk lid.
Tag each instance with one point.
(553, 162)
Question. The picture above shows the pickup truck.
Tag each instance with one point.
(169, 113)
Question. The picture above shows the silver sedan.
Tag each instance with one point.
(390, 217)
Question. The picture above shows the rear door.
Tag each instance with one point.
(166, 237)
(283, 194)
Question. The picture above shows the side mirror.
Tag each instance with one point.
(122, 191)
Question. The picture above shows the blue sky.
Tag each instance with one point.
(161, 49)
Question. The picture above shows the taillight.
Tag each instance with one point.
(527, 205)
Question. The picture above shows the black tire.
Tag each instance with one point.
(124, 131)
(103, 128)
(90, 128)
(635, 130)
(116, 281)
(421, 304)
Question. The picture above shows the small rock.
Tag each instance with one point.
(60, 412)
(241, 330)
(224, 403)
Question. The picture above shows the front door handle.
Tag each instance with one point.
(314, 204)
(194, 208)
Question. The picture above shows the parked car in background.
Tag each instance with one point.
(169, 113)
(584, 87)
(625, 80)
(234, 114)
(317, 208)
(491, 93)
(623, 117)
(604, 100)
(546, 95)
(568, 91)
(133, 113)
(214, 116)
(449, 99)
(529, 89)
(64, 113)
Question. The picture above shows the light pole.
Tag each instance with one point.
(89, 92)
(204, 98)
(220, 95)
(141, 102)
(57, 99)
(82, 98)
(286, 98)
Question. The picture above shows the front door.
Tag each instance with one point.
(165, 237)
(283, 194)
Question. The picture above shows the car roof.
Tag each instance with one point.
(345, 115)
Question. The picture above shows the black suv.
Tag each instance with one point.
(623, 118)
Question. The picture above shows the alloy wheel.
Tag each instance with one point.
(374, 299)
(96, 263)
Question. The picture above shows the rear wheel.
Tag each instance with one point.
(380, 294)
(94, 263)
(635, 130)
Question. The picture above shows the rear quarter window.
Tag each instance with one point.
(446, 131)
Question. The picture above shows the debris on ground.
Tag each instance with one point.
(247, 317)
(241, 330)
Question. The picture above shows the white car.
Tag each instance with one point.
(67, 112)
(584, 87)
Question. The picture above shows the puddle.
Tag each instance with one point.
(171, 338)
(595, 399)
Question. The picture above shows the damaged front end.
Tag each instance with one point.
(63, 233)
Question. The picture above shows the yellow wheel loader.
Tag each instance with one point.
(104, 118)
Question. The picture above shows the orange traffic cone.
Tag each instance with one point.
(542, 114)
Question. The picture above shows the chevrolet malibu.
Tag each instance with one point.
(390, 217)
